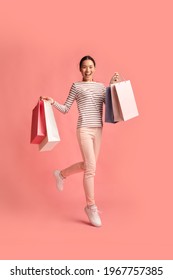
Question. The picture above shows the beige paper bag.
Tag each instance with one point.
(52, 138)
(123, 101)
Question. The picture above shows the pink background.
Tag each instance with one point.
(41, 43)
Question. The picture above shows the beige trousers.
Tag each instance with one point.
(89, 140)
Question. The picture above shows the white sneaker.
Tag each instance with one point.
(93, 215)
(59, 180)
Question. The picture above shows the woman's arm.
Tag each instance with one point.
(63, 108)
(115, 79)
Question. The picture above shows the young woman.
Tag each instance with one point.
(90, 96)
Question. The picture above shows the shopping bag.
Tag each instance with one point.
(38, 125)
(52, 137)
(123, 101)
(109, 115)
(117, 114)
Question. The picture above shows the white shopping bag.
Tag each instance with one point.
(52, 137)
(123, 101)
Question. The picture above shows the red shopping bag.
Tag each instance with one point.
(38, 125)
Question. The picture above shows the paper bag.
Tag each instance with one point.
(123, 101)
(109, 115)
(52, 137)
(38, 125)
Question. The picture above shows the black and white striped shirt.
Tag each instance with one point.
(89, 97)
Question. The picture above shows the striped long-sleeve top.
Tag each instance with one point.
(90, 97)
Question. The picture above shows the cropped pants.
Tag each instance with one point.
(89, 140)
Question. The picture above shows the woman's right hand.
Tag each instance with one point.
(50, 99)
(115, 78)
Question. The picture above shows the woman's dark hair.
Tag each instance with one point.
(87, 57)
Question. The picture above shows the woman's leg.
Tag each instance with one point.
(75, 168)
(61, 175)
(97, 142)
(89, 141)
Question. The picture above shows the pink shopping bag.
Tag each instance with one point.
(38, 125)
(123, 101)
(52, 137)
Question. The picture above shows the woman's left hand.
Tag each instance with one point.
(50, 99)
(115, 78)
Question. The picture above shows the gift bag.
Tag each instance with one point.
(52, 137)
(109, 115)
(38, 125)
(123, 101)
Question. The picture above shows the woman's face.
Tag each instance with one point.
(87, 70)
